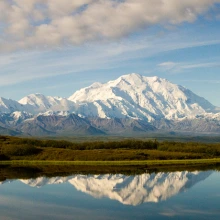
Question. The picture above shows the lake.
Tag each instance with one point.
(142, 193)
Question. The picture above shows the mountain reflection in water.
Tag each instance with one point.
(129, 190)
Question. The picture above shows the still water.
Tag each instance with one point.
(155, 195)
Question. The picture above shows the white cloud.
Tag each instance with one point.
(174, 67)
(51, 23)
(201, 65)
(19, 67)
(210, 81)
(167, 65)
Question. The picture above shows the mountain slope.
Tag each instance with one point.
(36, 103)
(7, 131)
(136, 96)
(128, 105)
(9, 105)
(121, 125)
(188, 125)
(58, 125)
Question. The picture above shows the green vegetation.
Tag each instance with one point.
(137, 151)
(18, 150)
(170, 163)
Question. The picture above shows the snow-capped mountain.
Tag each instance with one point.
(14, 118)
(129, 190)
(20, 115)
(131, 103)
(9, 106)
(38, 103)
(140, 97)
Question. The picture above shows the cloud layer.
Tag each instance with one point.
(28, 24)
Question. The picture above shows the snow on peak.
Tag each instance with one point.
(137, 79)
(21, 115)
(138, 96)
(9, 105)
(96, 85)
(55, 113)
(132, 77)
(129, 96)
(40, 103)
(36, 100)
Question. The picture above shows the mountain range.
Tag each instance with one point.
(128, 190)
(131, 104)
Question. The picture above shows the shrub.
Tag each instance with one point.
(18, 150)
(3, 157)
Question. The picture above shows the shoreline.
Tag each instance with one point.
(115, 163)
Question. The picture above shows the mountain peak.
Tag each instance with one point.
(142, 97)
(129, 96)
(131, 78)
(133, 99)
(136, 79)
(31, 98)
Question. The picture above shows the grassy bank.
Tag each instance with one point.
(112, 152)
(115, 163)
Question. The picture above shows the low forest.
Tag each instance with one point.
(14, 148)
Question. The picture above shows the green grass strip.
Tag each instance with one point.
(119, 163)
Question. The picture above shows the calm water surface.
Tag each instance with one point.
(162, 195)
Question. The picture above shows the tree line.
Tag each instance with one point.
(13, 146)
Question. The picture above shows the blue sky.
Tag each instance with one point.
(56, 52)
